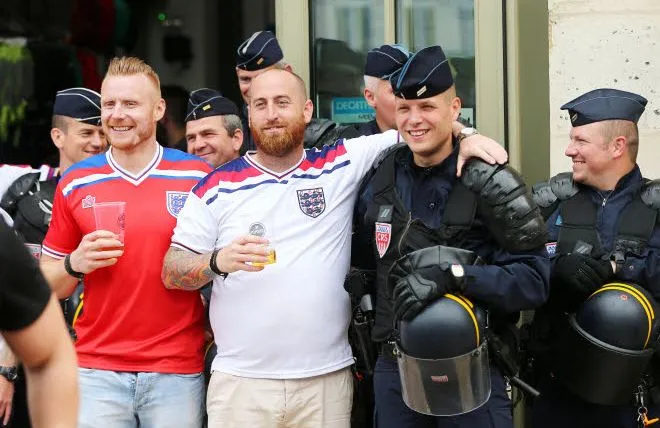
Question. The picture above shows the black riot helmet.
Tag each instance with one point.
(442, 355)
(449, 327)
(607, 344)
(621, 315)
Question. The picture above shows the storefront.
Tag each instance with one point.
(499, 74)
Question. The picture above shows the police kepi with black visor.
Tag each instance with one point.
(261, 50)
(207, 102)
(442, 352)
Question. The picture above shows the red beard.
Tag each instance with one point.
(282, 144)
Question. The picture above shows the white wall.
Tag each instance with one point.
(605, 43)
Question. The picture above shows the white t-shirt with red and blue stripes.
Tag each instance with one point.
(289, 320)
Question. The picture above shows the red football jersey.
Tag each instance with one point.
(131, 322)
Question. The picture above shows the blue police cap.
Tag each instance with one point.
(605, 104)
(207, 102)
(81, 104)
(261, 50)
(385, 60)
(425, 74)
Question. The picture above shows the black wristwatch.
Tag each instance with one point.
(69, 269)
(10, 373)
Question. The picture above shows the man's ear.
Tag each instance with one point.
(619, 146)
(308, 110)
(159, 110)
(455, 104)
(370, 98)
(237, 139)
(57, 136)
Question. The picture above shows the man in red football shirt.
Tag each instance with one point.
(139, 345)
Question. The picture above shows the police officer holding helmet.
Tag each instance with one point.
(455, 260)
(593, 342)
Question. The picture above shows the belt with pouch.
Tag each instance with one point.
(387, 350)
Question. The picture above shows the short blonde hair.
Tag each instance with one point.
(612, 129)
(130, 66)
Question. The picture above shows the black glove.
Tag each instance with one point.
(576, 276)
(418, 279)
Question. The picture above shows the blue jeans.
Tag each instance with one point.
(147, 400)
(392, 412)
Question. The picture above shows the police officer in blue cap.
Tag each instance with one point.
(602, 226)
(423, 230)
(213, 127)
(77, 134)
(381, 63)
(261, 52)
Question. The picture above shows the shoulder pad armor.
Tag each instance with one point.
(17, 191)
(563, 186)
(507, 207)
(476, 173)
(651, 194)
(543, 194)
(315, 132)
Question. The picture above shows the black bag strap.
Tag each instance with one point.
(459, 213)
(383, 179)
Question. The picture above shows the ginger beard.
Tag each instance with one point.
(281, 143)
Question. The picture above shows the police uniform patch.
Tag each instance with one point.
(311, 201)
(559, 221)
(383, 237)
(175, 202)
(551, 248)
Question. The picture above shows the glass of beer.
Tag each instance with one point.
(259, 229)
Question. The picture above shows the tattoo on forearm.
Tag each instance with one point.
(186, 271)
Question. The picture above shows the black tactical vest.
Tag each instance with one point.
(396, 234)
(578, 233)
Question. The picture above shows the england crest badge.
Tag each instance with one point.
(176, 201)
(311, 201)
(383, 237)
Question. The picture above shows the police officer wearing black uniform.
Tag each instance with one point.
(603, 231)
(381, 63)
(422, 229)
(261, 52)
(76, 132)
